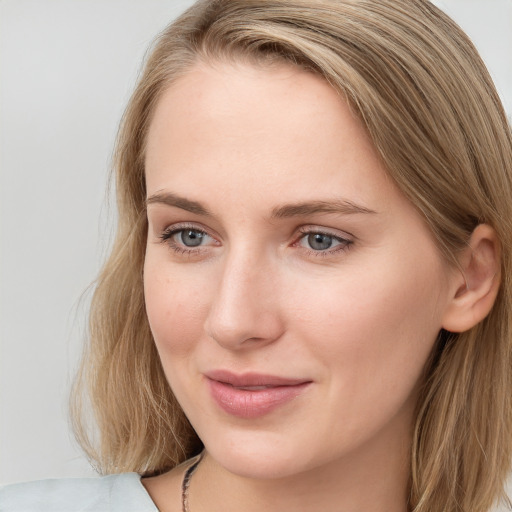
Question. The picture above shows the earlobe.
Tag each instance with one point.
(477, 285)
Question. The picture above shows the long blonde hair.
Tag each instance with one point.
(430, 107)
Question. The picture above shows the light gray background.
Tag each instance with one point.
(67, 69)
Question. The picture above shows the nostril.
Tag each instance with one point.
(243, 331)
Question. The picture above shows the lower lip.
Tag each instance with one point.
(246, 403)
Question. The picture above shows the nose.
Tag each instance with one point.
(244, 312)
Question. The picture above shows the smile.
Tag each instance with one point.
(252, 395)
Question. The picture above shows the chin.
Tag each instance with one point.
(258, 466)
(259, 455)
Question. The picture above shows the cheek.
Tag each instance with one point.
(374, 330)
(176, 307)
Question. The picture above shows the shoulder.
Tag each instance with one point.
(114, 493)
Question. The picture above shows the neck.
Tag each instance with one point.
(369, 480)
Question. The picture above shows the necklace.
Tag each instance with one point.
(186, 482)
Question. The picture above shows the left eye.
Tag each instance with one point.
(321, 241)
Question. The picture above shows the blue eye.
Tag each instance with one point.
(322, 243)
(190, 237)
(319, 241)
(186, 239)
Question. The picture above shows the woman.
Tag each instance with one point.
(309, 294)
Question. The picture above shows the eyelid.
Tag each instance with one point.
(344, 238)
(167, 235)
(194, 226)
(335, 233)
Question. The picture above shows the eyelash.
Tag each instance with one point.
(344, 243)
(167, 238)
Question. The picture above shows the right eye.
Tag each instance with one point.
(186, 239)
(190, 237)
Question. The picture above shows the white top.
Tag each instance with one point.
(114, 493)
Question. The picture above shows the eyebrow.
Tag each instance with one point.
(337, 206)
(171, 199)
(341, 206)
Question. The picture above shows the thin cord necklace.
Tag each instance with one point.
(186, 482)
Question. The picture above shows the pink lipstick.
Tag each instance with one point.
(251, 395)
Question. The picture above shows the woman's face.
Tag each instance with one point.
(294, 294)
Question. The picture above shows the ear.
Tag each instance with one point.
(476, 286)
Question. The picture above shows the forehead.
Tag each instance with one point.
(255, 97)
(260, 129)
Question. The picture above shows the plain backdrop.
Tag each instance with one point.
(67, 68)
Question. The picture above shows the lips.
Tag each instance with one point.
(252, 395)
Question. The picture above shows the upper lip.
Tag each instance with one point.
(252, 379)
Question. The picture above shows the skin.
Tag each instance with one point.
(358, 319)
